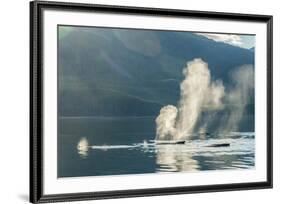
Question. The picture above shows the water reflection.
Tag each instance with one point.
(119, 146)
(174, 158)
(193, 155)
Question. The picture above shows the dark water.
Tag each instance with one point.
(126, 146)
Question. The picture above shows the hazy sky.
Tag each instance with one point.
(245, 41)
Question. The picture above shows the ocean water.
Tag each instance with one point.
(97, 146)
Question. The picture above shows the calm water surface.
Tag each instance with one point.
(126, 146)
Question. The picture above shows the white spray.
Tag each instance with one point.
(198, 93)
(83, 147)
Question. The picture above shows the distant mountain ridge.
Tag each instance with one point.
(121, 72)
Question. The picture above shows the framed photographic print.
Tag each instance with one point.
(131, 101)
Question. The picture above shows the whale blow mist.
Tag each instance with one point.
(198, 93)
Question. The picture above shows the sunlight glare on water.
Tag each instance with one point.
(193, 155)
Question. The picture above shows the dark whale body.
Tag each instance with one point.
(219, 145)
(174, 142)
(183, 142)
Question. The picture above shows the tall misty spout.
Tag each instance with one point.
(239, 97)
(198, 93)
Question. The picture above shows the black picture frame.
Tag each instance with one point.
(36, 102)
